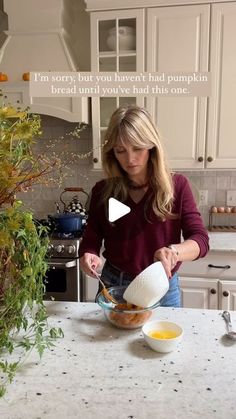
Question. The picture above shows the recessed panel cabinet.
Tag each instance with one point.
(209, 282)
(221, 126)
(198, 132)
(199, 293)
(178, 39)
(227, 293)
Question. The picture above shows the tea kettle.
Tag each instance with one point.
(74, 215)
(74, 206)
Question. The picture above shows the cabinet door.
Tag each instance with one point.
(199, 292)
(227, 295)
(90, 288)
(177, 41)
(221, 265)
(221, 144)
(111, 52)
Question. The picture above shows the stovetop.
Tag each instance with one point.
(62, 245)
(64, 248)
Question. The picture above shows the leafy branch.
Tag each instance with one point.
(23, 246)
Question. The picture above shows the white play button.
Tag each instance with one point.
(116, 209)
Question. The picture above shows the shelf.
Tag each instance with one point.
(222, 213)
(223, 228)
(121, 53)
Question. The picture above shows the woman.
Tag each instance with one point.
(162, 208)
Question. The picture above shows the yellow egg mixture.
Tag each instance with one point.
(163, 334)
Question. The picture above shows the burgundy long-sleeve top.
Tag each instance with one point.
(131, 241)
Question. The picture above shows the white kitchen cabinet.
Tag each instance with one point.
(221, 126)
(90, 288)
(199, 293)
(198, 132)
(108, 56)
(178, 42)
(227, 295)
(209, 282)
(187, 38)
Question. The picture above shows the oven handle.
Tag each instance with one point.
(70, 264)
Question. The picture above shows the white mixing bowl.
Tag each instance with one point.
(148, 287)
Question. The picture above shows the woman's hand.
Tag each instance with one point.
(90, 263)
(167, 257)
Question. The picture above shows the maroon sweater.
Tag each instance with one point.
(131, 241)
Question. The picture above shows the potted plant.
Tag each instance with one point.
(23, 245)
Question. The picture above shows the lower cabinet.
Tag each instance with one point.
(90, 288)
(209, 282)
(199, 292)
(205, 283)
(227, 294)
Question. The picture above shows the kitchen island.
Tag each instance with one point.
(97, 370)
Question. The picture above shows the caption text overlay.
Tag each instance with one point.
(92, 84)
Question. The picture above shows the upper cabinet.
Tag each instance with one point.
(198, 132)
(178, 39)
(196, 38)
(221, 128)
(117, 44)
(40, 37)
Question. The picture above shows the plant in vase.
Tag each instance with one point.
(23, 244)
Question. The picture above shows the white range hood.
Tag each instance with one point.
(40, 38)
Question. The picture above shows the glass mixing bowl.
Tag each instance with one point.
(121, 315)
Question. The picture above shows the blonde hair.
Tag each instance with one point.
(133, 125)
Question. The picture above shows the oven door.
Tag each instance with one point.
(62, 280)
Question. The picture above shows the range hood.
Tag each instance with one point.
(40, 37)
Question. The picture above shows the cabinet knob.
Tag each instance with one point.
(213, 291)
(209, 159)
(226, 293)
(95, 160)
(200, 159)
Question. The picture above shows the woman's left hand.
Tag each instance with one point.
(167, 257)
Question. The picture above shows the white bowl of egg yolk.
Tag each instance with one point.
(162, 336)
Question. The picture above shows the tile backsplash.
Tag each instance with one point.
(41, 200)
(216, 183)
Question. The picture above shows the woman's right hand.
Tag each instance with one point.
(90, 263)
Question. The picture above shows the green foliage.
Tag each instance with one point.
(20, 168)
(23, 247)
(23, 316)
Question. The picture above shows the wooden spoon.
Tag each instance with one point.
(105, 290)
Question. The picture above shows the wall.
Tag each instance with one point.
(80, 173)
(41, 200)
(217, 183)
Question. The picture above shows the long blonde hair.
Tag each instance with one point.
(134, 125)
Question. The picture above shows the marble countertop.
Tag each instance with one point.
(225, 242)
(97, 370)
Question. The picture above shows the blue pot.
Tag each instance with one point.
(68, 222)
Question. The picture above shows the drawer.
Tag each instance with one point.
(219, 269)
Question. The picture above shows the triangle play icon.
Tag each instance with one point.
(116, 209)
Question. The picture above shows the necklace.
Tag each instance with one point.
(136, 187)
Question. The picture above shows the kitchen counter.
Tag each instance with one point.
(222, 242)
(97, 370)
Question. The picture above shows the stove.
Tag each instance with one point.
(63, 247)
(63, 280)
